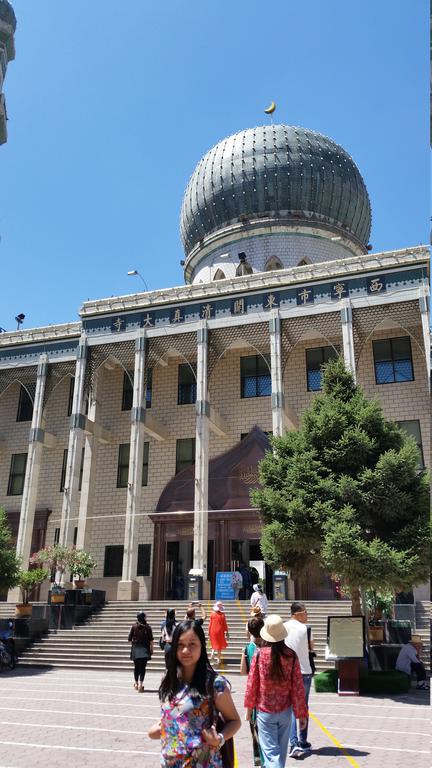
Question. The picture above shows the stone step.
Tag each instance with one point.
(101, 641)
(64, 660)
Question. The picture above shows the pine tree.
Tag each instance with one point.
(9, 562)
(344, 493)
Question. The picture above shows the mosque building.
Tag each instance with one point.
(136, 432)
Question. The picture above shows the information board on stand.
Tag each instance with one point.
(346, 646)
(224, 586)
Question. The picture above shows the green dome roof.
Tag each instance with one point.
(279, 170)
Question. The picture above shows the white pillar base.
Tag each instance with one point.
(128, 590)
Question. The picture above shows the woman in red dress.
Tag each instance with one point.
(218, 631)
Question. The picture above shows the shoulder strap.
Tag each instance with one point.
(210, 696)
(294, 656)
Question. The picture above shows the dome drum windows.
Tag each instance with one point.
(272, 264)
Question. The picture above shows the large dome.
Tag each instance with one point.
(278, 170)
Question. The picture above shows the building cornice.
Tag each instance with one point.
(284, 278)
(270, 280)
(46, 333)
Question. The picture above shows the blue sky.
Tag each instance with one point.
(111, 105)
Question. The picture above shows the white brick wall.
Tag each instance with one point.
(400, 402)
(289, 247)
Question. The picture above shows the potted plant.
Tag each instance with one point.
(27, 581)
(379, 604)
(82, 566)
(56, 558)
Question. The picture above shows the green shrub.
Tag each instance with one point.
(385, 682)
(326, 682)
(370, 682)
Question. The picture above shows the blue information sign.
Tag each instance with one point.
(224, 587)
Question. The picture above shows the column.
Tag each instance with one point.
(201, 457)
(77, 424)
(347, 336)
(277, 396)
(89, 466)
(34, 460)
(424, 311)
(159, 549)
(128, 587)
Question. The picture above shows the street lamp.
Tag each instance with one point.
(133, 272)
(19, 319)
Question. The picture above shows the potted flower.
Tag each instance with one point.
(56, 558)
(27, 581)
(82, 566)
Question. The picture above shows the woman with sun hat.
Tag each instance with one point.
(275, 688)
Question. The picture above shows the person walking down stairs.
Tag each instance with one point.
(168, 628)
(259, 599)
(141, 637)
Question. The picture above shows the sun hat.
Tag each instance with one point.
(218, 606)
(273, 630)
(415, 639)
(257, 588)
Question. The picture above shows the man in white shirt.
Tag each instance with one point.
(259, 599)
(298, 641)
(408, 661)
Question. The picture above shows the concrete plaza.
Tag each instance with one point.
(76, 718)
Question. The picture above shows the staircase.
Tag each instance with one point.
(101, 642)
(423, 628)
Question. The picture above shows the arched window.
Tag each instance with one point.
(272, 264)
(219, 275)
(303, 263)
(244, 268)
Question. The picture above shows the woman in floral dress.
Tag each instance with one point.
(189, 692)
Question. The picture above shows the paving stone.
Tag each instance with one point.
(94, 718)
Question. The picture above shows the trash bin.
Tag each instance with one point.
(280, 586)
(194, 588)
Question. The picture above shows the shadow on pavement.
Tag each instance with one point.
(25, 672)
(335, 752)
(412, 697)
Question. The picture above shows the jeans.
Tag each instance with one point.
(273, 734)
(295, 739)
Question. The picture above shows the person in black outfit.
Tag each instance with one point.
(141, 637)
(167, 630)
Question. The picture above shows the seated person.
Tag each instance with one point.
(408, 661)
